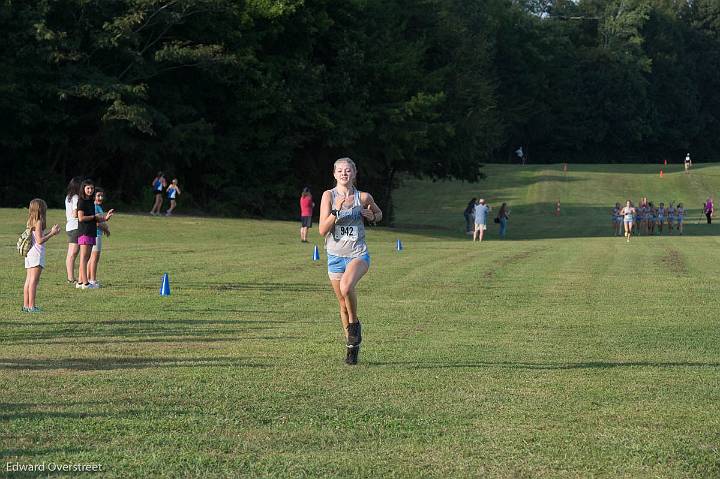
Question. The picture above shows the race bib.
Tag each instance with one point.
(347, 233)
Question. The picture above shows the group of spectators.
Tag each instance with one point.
(476, 215)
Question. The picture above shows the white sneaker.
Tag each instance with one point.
(78, 285)
(91, 286)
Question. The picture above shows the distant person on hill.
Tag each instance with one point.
(343, 211)
(709, 210)
(520, 154)
(503, 216)
(35, 259)
(688, 163)
(71, 227)
(481, 214)
(469, 215)
(680, 217)
(172, 192)
(306, 210)
(158, 185)
(628, 213)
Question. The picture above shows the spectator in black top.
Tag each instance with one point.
(87, 224)
(469, 214)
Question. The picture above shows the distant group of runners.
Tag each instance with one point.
(172, 190)
(646, 218)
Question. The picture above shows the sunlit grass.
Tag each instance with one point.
(562, 352)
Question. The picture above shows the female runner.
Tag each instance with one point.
(628, 212)
(342, 211)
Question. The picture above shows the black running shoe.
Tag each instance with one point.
(352, 355)
(354, 334)
(353, 343)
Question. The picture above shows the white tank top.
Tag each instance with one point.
(347, 237)
(36, 255)
(70, 205)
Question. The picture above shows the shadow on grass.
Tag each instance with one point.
(112, 363)
(121, 322)
(255, 286)
(674, 166)
(507, 178)
(547, 366)
(138, 331)
(5, 453)
(222, 287)
(162, 340)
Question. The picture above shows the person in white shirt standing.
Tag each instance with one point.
(71, 227)
(688, 162)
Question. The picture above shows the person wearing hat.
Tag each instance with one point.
(481, 214)
(306, 209)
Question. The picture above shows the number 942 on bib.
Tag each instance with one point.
(346, 233)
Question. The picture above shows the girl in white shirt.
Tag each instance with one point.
(71, 227)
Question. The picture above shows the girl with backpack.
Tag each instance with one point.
(35, 258)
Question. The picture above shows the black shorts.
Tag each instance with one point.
(73, 236)
(306, 221)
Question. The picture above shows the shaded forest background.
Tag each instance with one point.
(247, 101)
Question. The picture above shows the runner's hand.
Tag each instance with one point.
(339, 201)
(367, 213)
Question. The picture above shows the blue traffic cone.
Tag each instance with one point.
(165, 286)
(316, 254)
(399, 245)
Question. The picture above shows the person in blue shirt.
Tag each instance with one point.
(172, 192)
(158, 185)
(102, 227)
(481, 214)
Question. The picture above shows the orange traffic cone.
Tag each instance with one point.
(661, 173)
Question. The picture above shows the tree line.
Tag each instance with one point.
(247, 101)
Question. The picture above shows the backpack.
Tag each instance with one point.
(24, 242)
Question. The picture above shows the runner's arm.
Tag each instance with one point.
(327, 220)
(369, 206)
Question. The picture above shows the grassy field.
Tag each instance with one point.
(560, 352)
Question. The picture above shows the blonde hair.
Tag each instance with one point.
(37, 213)
(349, 162)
